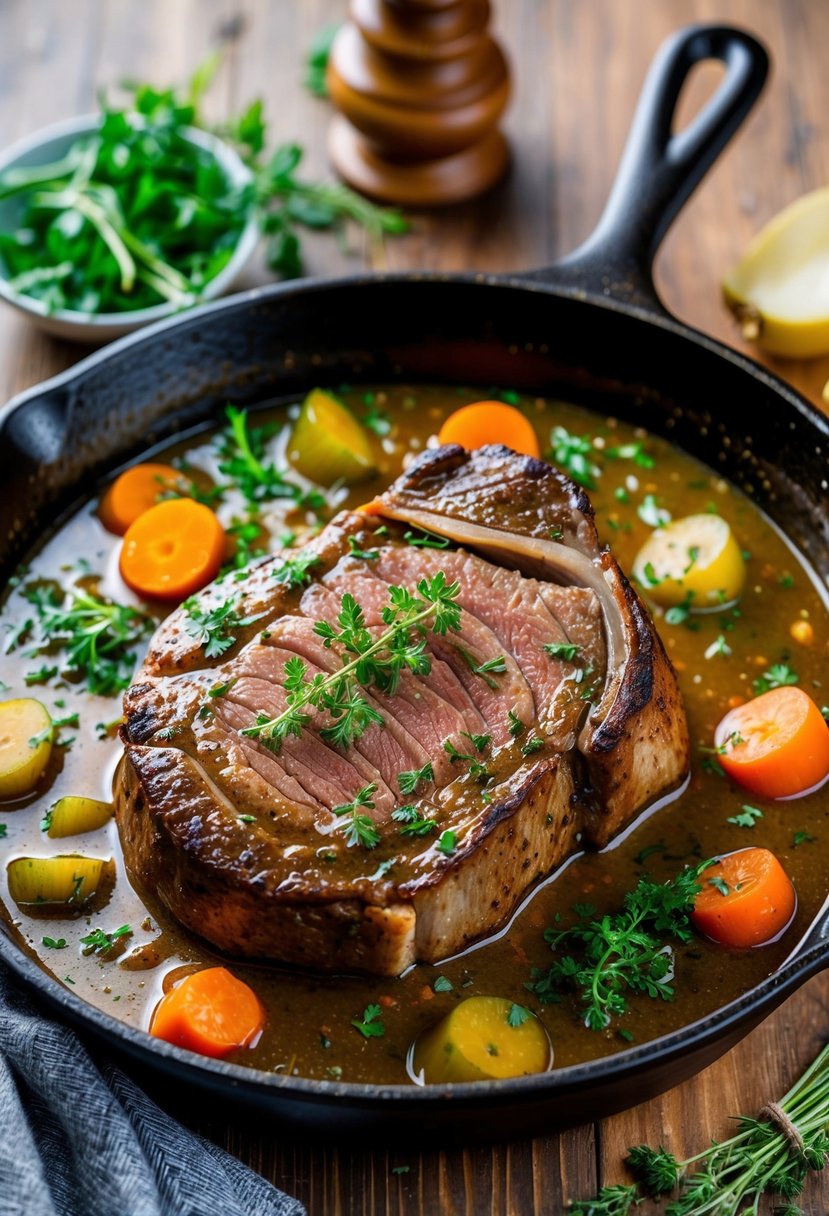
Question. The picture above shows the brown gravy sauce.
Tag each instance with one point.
(309, 1030)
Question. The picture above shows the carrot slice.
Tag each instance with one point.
(133, 493)
(473, 426)
(172, 550)
(776, 745)
(210, 1012)
(747, 899)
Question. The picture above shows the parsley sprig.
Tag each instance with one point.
(242, 451)
(605, 958)
(730, 1177)
(370, 1025)
(359, 827)
(97, 636)
(377, 661)
(211, 626)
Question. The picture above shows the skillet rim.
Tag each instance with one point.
(808, 956)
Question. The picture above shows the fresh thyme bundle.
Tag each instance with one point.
(770, 1155)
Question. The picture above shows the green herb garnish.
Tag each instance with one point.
(370, 1025)
(732, 1176)
(426, 540)
(211, 626)
(777, 676)
(606, 958)
(558, 650)
(98, 941)
(747, 817)
(573, 453)
(378, 661)
(410, 779)
(517, 1015)
(316, 61)
(295, 570)
(497, 665)
(359, 828)
(447, 843)
(96, 635)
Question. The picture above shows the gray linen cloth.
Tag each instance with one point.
(81, 1139)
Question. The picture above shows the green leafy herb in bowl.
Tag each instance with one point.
(112, 221)
(108, 223)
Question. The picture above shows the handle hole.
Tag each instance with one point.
(700, 86)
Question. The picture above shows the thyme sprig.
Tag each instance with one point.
(378, 661)
(624, 952)
(729, 1178)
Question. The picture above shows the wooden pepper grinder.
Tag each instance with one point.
(420, 86)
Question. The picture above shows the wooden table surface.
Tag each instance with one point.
(578, 66)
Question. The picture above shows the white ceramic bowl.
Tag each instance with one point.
(51, 144)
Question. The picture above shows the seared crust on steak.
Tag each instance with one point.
(244, 843)
(529, 515)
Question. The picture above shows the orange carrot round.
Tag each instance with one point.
(747, 899)
(172, 550)
(210, 1012)
(473, 426)
(776, 745)
(134, 492)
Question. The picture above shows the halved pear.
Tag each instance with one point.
(779, 291)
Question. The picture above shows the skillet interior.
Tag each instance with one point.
(461, 330)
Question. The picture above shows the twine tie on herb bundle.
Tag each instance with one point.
(772, 1112)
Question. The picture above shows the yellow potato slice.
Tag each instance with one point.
(483, 1038)
(695, 559)
(55, 880)
(22, 757)
(71, 816)
(779, 291)
(328, 444)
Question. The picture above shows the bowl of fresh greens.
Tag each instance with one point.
(111, 221)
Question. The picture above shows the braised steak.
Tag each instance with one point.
(547, 717)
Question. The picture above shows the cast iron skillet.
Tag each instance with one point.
(590, 329)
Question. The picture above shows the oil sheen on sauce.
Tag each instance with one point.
(309, 1029)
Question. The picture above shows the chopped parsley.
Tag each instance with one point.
(560, 650)
(96, 635)
(573, 453)
(442, 984)
(447, 843)
(370, 1025)
(294, 570)
(366, 555)
(52, 943)
(651, 513)
(410, 779)
(747, 817)
(496, 665)
(211, 626)
(777, 676)
(426, 540)
(517, 1015)
(98, 941)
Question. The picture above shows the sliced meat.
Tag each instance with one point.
(475, 781)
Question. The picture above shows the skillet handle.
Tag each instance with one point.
(659, 169)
